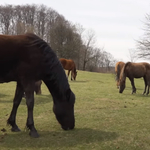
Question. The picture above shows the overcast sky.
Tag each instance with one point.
(116, 23)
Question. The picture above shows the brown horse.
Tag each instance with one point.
(27, 59)
(118, 67)
(135, 70)
(68, 64)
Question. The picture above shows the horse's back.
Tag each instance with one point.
(140, 65)
(137, 70)
(68, 64)
(63, 62)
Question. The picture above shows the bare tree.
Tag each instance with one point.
(41, 20)
(79, 30)
(88, 42)
(6, 15)
(132, 55)
(51, 19)
(65, 38)
(143, 44)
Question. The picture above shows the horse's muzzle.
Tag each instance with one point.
(67, 128)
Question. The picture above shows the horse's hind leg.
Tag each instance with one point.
(68, 72)
(17, 99)
(148, 84)
(145, 85)
(147, 90)
(29, 91)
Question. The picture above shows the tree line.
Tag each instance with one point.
(68, 40)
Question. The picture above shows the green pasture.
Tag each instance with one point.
(105, 119)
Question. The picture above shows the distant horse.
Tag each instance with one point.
(27, 59)
(118, 67)
(135, 70)
(68, 64)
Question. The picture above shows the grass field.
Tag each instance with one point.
(105, 119)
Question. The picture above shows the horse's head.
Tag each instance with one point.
(64, 111)
(121, 86)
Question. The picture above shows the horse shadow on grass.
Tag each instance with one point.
(2, 96)
(39, 99)
(58, 139)
(79, 81)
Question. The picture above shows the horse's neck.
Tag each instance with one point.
(118, 72)
(54, 75)
(57, 82)
(124, 74)
(124, 77)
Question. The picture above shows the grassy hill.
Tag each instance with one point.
(105, 119)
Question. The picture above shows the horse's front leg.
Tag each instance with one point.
(133, 86)
(29, 92)
(17, 99)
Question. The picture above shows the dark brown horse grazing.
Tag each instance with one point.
(68, 64)
(135, 70)
(27, 59)
(118, 67)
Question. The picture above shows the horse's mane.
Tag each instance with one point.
(123, 71)
(47, 51)
(118, 68)
(52, 65)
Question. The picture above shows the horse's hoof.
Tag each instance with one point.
(15, 129)
(34, 134)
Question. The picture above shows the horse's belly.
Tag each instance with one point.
(138, 75)
(7, 77)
